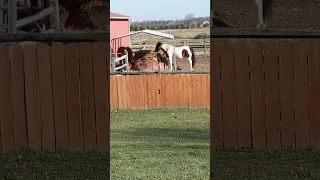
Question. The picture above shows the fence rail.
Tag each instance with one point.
(123, 61)
(265, 95)
(47, 97)
(263, 33)
(199, 45)
(160, 91)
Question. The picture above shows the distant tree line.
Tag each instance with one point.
(188, 22)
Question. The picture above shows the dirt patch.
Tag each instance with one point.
(202, 63)
(286, 14)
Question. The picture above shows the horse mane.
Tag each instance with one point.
(159, 44)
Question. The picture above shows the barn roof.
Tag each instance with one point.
(118, 16)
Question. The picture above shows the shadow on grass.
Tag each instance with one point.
(193, 138)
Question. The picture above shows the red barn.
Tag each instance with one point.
(119, 26)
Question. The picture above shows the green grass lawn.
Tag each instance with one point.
(34, 165)
(266, 165)
(160, 144)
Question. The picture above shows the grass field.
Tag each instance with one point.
(161, 144)
(178, 33)
(34, 165)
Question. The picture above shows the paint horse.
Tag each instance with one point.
(179, 52)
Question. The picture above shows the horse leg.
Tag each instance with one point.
(190, 61)
(261, 23)
(170, 62)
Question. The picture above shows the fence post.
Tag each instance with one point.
(126, 61)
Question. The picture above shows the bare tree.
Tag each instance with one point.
(189, 17)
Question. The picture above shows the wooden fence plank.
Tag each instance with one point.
(216, 141)
(123, 92)
(59, 96)
(87, 97)
(114, 92)
(243, 94)
(73, 97)
(134, 88)
(301, 92)
(286, 94)
(46, 97)
(272, 95)
(32, 97)
(184, 92)
(6, 113)
(18, 97)
(197, 91)
(191, 85)
(173, 90)
(120, 91)
(203, 90)
(129, 91)
(100, 88)
(257, 96)
(314, 80)
(139, 88)
(228, 95)
(164, 92)
(143, 88)
(107, 50)
(179, 91)
(208, 91)
(192, 94)
(152, 92)
(157, 81)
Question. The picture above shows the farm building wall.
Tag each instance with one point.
(119, 27)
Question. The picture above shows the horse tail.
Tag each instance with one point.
(193, 57)
(267, 8)
(158, 46)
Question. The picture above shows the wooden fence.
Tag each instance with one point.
(54, 97)
(265, 95)
(199, 45)
(160, 91)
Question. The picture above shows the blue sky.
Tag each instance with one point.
(160, 9)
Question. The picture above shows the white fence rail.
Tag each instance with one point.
(199, 45)
(122, 62)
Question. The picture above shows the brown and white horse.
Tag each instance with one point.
(179, 52)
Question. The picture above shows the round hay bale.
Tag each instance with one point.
(147, 60)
